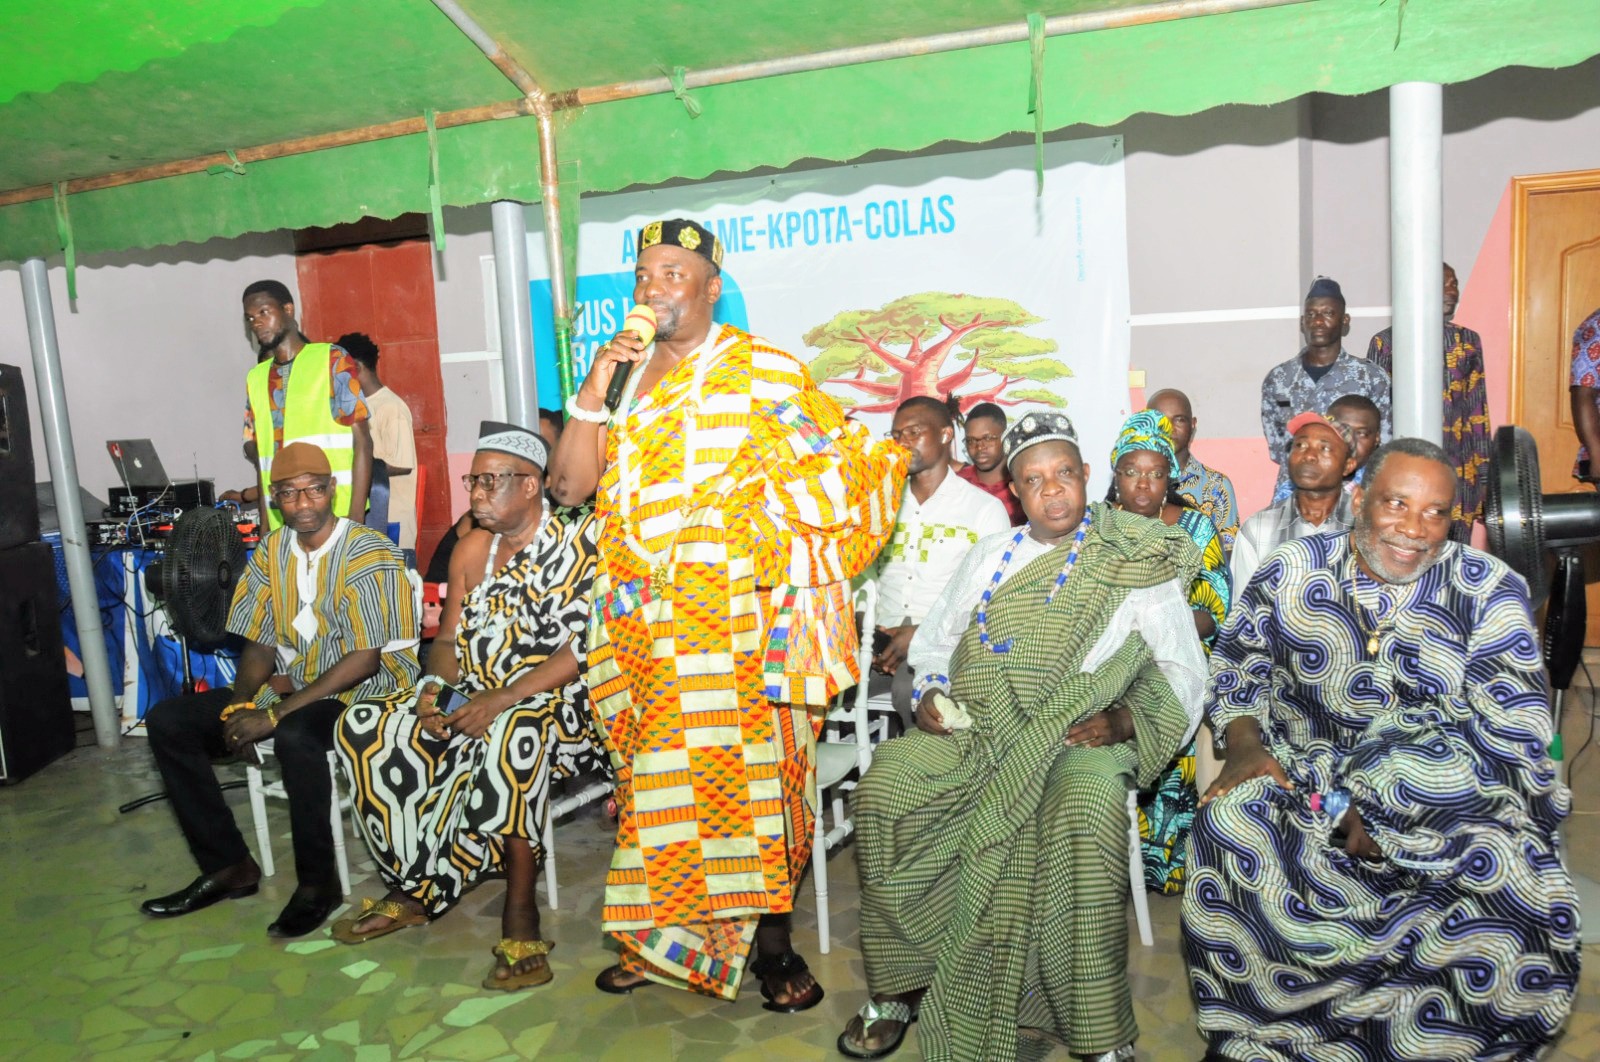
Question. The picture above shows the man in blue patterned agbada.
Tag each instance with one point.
(1374, 877)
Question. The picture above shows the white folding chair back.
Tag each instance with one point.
(259, 790)
(1141, 902)
(841, 761)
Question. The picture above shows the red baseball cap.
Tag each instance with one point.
(1308, 418)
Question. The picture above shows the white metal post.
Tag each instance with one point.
(516, 319)
(52, 394)
(1416, 256)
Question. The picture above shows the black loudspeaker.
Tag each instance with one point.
(19, 507)
(35, 706)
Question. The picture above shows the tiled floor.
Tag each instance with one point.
(85, 976)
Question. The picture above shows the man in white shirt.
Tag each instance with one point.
(393, 441)
(941, 517)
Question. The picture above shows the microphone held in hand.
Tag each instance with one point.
(641, 321)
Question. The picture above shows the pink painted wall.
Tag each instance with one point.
(1245, 461)
(1485, 307)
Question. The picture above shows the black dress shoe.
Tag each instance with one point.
(306, 910)
(203, 891)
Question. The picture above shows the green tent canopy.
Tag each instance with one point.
(95, 87)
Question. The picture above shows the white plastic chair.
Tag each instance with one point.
(259, 790)
(841, 762)
(881, 703)
(1141, 902)
(565, 806)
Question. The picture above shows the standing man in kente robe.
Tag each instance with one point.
(738, 504)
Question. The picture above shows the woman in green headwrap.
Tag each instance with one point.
(1144, 468)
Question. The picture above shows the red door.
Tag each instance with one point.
(386, 291)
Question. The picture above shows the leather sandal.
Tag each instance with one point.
(400, 917)
(871, 1012)
(785, 968)
(606, 981)
(513, 952)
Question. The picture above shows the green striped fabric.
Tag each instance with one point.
(994, 861)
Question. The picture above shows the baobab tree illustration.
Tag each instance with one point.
(936, 343)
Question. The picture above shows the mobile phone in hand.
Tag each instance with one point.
(449, 698)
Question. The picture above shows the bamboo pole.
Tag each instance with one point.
(1061, 25)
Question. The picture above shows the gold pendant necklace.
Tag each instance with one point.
(1374, 630)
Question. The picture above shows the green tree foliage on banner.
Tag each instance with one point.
(935, 344)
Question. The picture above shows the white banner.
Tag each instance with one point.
(923, 276)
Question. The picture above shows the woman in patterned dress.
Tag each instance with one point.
(445, 798)
(1144, 468)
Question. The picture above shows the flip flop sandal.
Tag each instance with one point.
(400, 917)
(606, 981)
(787, 968)
(513, 952)
(874, 1011)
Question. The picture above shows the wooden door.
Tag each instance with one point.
(1555, 285)
(385, 289)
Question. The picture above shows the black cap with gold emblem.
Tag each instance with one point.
(681, 232)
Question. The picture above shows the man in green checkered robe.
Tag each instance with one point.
(994, 838)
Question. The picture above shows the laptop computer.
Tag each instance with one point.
(137, 463)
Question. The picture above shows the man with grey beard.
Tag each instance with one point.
(1374, 874)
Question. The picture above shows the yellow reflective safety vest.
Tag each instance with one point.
(307, 417)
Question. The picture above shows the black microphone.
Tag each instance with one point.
(641, 320)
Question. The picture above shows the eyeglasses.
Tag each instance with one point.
(977, 440)
(1149, 475)
(489, 482)
(282, 496)
(915, 431)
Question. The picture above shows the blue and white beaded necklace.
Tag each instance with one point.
(999, 573)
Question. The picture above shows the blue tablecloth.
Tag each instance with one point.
(146, 659)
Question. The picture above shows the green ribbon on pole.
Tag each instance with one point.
(1036, 95)
(64, 234)
(564, 358)
(234, 168)
(434, 201)
(680, 91)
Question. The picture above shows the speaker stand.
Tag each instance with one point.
(1565, 620)
(1587, 888)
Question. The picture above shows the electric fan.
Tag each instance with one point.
(1526, 529)
(194, 580)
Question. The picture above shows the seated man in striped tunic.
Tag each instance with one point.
(448, 792)
(325, 603)
(994, 838)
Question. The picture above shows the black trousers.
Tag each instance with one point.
(186, 735)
